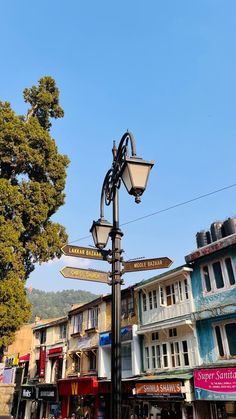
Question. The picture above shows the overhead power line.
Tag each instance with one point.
(180, 204)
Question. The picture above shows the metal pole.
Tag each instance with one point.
(116, 235)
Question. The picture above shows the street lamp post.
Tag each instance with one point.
(134, 172)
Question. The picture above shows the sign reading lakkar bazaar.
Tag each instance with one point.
(85, 274)
(84, 252)
(147, 264)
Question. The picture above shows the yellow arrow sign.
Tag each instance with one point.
(147, 264)
(84, 252)
(85, 274)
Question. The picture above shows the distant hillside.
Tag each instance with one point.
(56, 304)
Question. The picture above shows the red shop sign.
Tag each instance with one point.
(78, 387)
(55, 351)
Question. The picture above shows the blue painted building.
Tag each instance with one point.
(213, 281)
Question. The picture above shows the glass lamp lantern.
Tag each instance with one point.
(134, 173)
(100, 231)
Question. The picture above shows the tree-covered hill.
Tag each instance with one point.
(55, 304)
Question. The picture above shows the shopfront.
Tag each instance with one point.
(163, 399)
(79, 396)
(41, 401)
(104, 399)
(215, 392)
(48, 398)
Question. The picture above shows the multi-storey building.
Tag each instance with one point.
(130, 354)
(79, 389)
(15, 369)
(214, 292)
(47, 366)
(169, 345)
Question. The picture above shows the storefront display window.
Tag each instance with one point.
(82, 407)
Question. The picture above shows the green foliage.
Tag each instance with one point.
(14, 308)
(32, 180)
(44, 100)
(56, 304)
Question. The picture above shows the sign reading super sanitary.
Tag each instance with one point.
(215, 384)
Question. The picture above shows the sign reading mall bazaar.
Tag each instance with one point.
(85, 274)
(84, 252)
(147, 264)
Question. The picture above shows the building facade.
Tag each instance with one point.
(78, 390)
(214, 292)
(47, 366)
(169, 343)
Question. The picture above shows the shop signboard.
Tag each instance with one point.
(28, 392)
(215, 384)
(126, 335)
(159, 389)
(42, 362)
(11, 360)
(80, 386)
(47, 392)
(211, 248)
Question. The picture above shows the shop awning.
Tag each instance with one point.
(24, 358)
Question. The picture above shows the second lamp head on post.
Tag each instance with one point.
(134, 173)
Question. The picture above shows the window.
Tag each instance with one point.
(186, 289)
(230, 271)
(175, 356)
(174, 293)
(217, 275)
(153, 357)
(155, 336)
(172, 332)
(126, 357)
(144, 302)
(93, 318)
(169, 354)
(127, 306)
(78, 323)
(62, 333)
(158, 356)
(226, 339)
(37, 367)
(92, 360)
(43, 336)
(76, 362)
(147, 359)
(162, 298)
(185, 352)
(152, 299)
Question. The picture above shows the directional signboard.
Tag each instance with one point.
(147, 264)
(85, 274)
(84, 252)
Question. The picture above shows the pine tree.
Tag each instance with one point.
(32, 180)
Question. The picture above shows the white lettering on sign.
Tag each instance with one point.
(26, 393)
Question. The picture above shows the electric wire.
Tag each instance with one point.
(180, 204)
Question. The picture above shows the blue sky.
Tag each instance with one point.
(165, 70)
